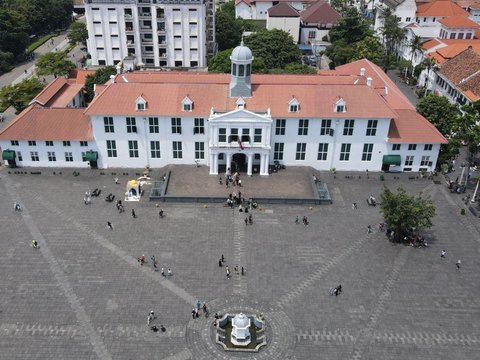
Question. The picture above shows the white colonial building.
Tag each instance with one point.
(352, 118)
(155, 33)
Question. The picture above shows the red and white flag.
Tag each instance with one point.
(240, 143)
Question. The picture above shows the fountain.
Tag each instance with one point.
(240, 332)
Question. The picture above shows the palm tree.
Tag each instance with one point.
(414, 45)
(429, 64)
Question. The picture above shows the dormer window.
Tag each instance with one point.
(293, 105)
(141, 103)
(340, 105)
(187, 104)
(240, 103)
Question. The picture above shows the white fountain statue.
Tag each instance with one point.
(240, 330)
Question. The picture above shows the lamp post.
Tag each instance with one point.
(475, 192)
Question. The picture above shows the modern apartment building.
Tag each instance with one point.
(154, 33)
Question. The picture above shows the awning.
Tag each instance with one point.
(392, 160)
(8, 155)
(91, 155)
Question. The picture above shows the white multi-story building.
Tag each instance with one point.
(156, 33)
(352, 118)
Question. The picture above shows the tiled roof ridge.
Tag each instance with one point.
(19, 116)
(49, 87)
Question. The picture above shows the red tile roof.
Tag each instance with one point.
(459, 21)
(362, 101)
(50, 91)
(320, 13)
(80, 75)
(38, 123)
(283, 10)
(411, 127)
(463, 70)
(442, 8)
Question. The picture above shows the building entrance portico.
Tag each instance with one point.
(244, 160)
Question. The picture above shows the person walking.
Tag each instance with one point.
(250, 219)
(35, 244)
(193, 313)
(297, 221)
(133, 214)
(457, 264)
(160, 214)
(442, 255)
(246, 221)
(369, 229)
(109, 225)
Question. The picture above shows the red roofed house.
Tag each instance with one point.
(352, 118)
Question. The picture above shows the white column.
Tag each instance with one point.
(213, 168)
(229, 162)
(263, 165)
(249, 164)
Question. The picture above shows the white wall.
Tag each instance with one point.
(243, 11)
(290, 25)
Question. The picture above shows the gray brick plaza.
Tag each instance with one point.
(83, 295)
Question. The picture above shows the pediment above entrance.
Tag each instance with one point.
(241, 115)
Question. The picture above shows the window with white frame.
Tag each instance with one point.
(233, 135)
(412, 147)
(345, 152)
(348, 127)
(428, 147)
(325, 127)
(409, 160)
(84, 156)
(301, 149)
(68, 157)
(141, 103)
(133, 148)
(154, 149)
(257, 136)
(372, 127)
(245, 135)
(303, 127)
(293, 105)
(199, 126)
(131, 125)
(32, 143)
(34, 156)
(66, 143)
(187, 104)
(176, 125)
(14, 142)
(51, 156)
(108, 124)
(340, 106)
(199, 150)
(177, 149)
(396, 147)
(280, 126)
(312, 34)
(367, 152)
(222, 135)
(83, 143)
(322, 151)
(278, 151)
(153, 125)
(111, 148)
(48, 143)
(425, 161)
(19, 156)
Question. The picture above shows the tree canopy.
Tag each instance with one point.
(20, 95)
(467, 128)
(275, 47)
(78, 33)
(405, 214)
(54, 63)
(228, 29)
(101, 76)
(351, 28)
(20, 19)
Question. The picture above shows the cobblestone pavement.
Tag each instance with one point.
(83, 295)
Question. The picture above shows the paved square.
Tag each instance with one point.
(83, 295)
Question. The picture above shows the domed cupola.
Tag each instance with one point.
(241, 71)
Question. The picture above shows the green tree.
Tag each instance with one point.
(393, 35)
(54, 63)
(467, 129)
(405, 214)
(101, 76)
(368, 48)
(440, 112)
(220, 62)
(428, 64)
(351, 28)
(275, 47)
(20, 95)
(13, 32)
(78, 33)
(414, 45)
(340, 53)
(228, 29)
(6, 61)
